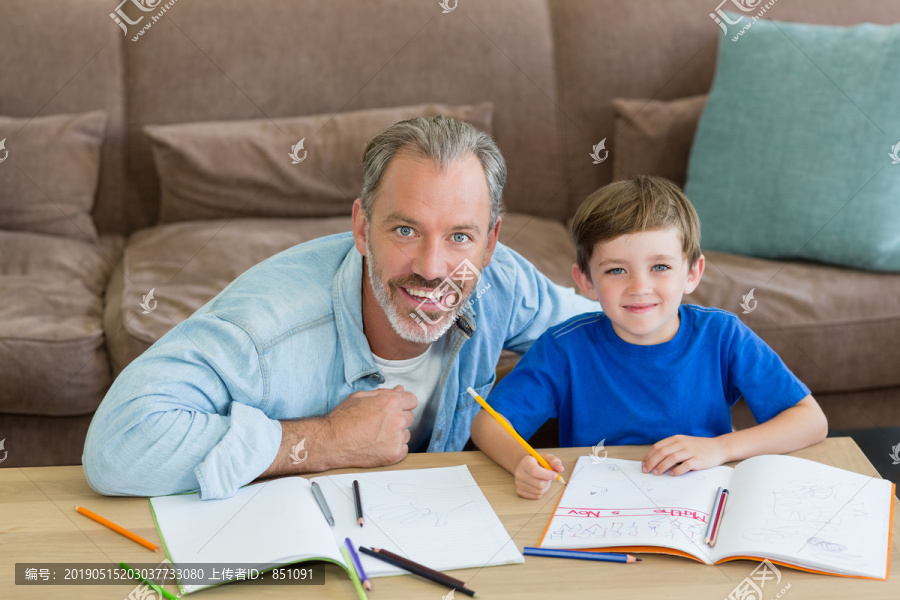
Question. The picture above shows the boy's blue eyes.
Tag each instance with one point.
(405, 231)
(620, 270)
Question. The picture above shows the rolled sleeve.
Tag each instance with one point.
(246, 450)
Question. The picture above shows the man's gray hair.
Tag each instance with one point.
(440, 139)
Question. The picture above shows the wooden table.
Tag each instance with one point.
(38, 524)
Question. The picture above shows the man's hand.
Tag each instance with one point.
(689, 453)
(532, 480)
(371, 429)
(367, 429)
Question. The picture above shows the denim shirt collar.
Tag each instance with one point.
(347, 299)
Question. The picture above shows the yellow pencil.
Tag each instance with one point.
(499, 418)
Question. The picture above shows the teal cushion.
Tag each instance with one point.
(792, 154)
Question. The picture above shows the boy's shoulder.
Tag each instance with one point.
(578, 324)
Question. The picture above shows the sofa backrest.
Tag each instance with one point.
(550, 67)
(66, 57)
(232, 59)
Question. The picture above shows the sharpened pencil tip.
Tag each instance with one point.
(639, 559)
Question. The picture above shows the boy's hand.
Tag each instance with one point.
(532, 480)
(688, 452)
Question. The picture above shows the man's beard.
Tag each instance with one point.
(406, 323)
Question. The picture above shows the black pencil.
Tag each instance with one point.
(417, 569)
(359, 513)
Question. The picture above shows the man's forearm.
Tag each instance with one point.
(307, 446)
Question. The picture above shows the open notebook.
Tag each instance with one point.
(789, 510)
(437, 517)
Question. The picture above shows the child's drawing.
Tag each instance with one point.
(415, 503)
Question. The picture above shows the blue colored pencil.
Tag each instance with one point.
(580, 554)
(358, 564)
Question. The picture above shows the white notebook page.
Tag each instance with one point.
(613, 503)
(240, 529)
(802, 511)
(437, 517)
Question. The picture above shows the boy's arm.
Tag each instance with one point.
(532, 480)
(796, 427)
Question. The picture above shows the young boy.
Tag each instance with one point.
(646, 370)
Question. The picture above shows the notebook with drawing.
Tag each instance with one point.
(792, 511)
(437, 517)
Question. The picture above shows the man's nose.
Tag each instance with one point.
(431, 260)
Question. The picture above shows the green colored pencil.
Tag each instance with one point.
(156, 588)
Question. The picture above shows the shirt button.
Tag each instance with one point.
(377, 377)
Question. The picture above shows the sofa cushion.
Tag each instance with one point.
(792, 155)
(52, 355)
(48, 173)
(654, 137)
(186, 265)
(245, 169)
(836, 328)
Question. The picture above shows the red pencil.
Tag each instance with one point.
(717, 524)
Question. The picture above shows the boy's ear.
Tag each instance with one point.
(584, 282)
(694, 275)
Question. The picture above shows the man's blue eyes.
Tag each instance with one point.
(406, 231)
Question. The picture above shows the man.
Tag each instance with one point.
(346, 351)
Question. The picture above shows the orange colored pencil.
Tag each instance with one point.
(131, 536)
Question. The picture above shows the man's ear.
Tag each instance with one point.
(584, 282)
(694, 275)
(493, 236)
(359, 226)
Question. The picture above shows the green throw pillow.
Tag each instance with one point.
(792, 157)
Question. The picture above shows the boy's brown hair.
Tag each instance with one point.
(632, 205)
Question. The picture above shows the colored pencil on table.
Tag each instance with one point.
(417, 569)
(158, 589)
(131, 536)
(509, 429)
(353, 576)
(359, 512)
(580, 554)
(358, 564)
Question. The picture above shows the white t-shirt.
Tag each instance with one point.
(420, 376)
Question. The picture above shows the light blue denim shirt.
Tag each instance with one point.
(200, 409)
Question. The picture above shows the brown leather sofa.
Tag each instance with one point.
(75, 309)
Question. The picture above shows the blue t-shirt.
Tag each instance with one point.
(601, 387)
